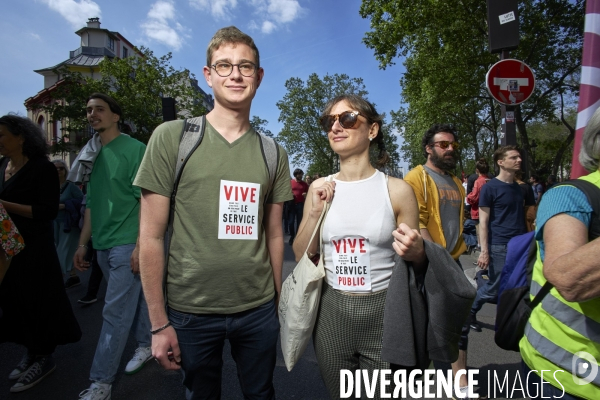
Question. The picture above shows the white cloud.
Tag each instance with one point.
(35, 36)
(219, 9)
(284, 10)
(271, 14)
(268, 27)
(161, 25)
(76, 12)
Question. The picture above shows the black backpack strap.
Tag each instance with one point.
(191, 137)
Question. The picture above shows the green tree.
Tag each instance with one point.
(445, 51)
(260, 126)
(300, 109)
(137, 83)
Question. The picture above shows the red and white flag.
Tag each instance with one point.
(589, 90)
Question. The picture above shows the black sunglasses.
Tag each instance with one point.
(347, 120)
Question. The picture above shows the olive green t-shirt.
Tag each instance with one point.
(218, 259)
(113, 200)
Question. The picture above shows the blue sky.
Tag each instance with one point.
(295, 37)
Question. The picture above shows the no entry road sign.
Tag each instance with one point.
(510, 81)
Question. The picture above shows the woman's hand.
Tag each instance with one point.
(321, 195)
(408, 243)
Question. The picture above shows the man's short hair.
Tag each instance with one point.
(112, 103)
(230, 35)
(298, 171)
(500, 153)
(535, 177)
(434, 130)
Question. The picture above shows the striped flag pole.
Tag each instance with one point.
(589, 89)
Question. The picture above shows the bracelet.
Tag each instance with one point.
(82, 245)
(162, 328)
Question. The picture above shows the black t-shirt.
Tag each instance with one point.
(505, 201)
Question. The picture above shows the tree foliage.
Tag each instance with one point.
(445, 49)
(136, 82)
(260, 126)
(300, 108)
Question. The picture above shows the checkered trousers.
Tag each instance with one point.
(348, 335)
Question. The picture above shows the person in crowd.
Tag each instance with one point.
(309, 181)
(37, 312)
(93, 285)
(386, 205)
(221, 284)
(299, 190)
(530, 209)
(66, 224)
(441, 196)
(538, 188)
(482, 168)
(501, 217)
(550, 181)
(112, 218)
(562, 333)
(316, 176)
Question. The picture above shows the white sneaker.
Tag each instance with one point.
(98, 391)
(140, 357)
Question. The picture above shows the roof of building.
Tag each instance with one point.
(82, 57)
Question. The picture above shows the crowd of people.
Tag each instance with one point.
(222, 225)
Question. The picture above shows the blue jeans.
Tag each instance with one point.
(252, 335)
(535, 385)
(489, 291)
(124, 309)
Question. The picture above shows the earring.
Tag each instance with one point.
(370, 139)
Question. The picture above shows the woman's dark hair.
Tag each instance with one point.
(366, 109)
(482, 166)
(34, 141)
(434, 130)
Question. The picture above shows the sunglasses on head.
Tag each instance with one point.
(444, 144)
(347, 120)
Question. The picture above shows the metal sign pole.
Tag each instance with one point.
(507, 117)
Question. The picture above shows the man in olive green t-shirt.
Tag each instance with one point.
(226, 252)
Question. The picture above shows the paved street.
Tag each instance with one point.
(153, 383)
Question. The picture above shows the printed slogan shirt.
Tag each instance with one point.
(218, 261)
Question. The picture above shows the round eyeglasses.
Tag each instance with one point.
(224, 69)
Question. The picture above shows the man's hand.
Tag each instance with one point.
(79, 259)
(135, 260)
(165, 349)
(408, 243)
(484, 259)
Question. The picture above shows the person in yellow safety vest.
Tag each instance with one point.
(562, 337)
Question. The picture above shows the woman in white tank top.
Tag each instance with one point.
(371, 219)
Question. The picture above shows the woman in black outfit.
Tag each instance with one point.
(37, 312)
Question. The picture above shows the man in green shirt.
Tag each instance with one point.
(226, 252)
(112, 218)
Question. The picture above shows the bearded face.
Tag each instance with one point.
(443, 159)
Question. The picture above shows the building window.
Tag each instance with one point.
(111, 44)
(124, 52)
